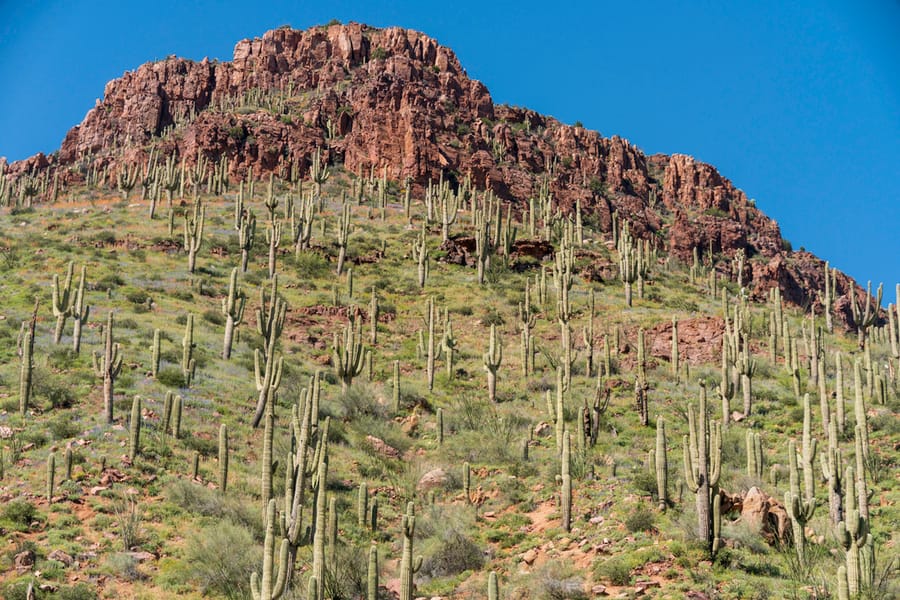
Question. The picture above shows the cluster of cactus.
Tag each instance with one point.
(864, 318)
(800, 508)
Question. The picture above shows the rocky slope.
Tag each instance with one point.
(396, 100)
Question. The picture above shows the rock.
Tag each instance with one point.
(23, 561)
(142, 556)
(699, 340)
(598, 590)
(60, 556)
(381, 447)
(410, 424)
(529, 556)
(433, 479)
(765, 515)
(542, 429)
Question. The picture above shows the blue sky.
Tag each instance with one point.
(798, 103)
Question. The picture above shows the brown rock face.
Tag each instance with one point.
(765, 515)
(396, 101)
(699, 340)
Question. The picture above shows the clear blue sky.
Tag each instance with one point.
(798, 103)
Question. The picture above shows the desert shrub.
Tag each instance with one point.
(19, 514)
(63, 427)
(218, 573)
(171, 377)
(202, 501)
(76, 592)
(559, 581)
(52, 388)
(310, 265)
(360, 400)
(453, 554)
(123, 566)
(214, 316)
(615, 569)
(640, 519)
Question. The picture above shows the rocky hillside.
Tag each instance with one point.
(397, 102)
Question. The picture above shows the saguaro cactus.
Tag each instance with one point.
(223, 457)
(493, 587)
(270, 586)
(108, 367)
(801, 508)
(491, 360)
(25, 373)
(62, 302)
(864, 318)
(233, 309)
(347, 354)
(755, 464)
(134, 440)
(660, 464)
(193, 233)
(343, 236)
(51, 475)
(565, 495)
(188, 365)
(702, 466)
(372, 574)
(408, 565)
(79, 313)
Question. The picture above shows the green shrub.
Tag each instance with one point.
(614, 569)
(640, 519)
(171, 377)
(454, 554)
(19, 514)
(217, 571)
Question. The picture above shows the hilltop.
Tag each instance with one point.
(397, 103)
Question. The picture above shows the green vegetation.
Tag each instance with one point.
(380, 413)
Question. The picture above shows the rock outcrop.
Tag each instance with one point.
(395, 101)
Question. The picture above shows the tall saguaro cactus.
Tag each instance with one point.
(193, 233)
(25, 373)
(492, 359)
(79, 313)
(408, 565)
(233, 309)
(660, 463)
(864, 318)
(565, 494)
(62, 302)
(347, 354)
(801, 508)
(270, 586)
(702, 467)
(108, 366)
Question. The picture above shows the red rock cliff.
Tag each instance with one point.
(396, 99)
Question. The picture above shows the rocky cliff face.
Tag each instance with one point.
(395, 99)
